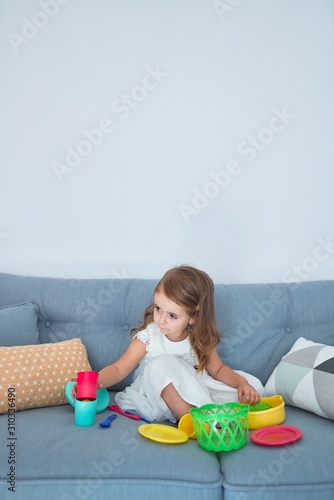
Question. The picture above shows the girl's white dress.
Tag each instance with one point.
(168, 362)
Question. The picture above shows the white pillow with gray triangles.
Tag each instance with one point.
(305, 378)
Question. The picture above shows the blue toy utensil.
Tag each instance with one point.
(141, 418)
(107, 421)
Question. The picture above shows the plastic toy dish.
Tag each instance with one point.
(276, 435)
(186, 425)
(274, 415)
(163, 433)
(103, 398)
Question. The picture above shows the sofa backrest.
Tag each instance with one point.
(258, 322)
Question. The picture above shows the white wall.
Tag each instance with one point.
(215, 143)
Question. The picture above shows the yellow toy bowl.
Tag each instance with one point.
(272, 416)
(186, 425)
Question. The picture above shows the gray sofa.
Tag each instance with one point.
(259, 323)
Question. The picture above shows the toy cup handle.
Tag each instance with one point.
(68, 392)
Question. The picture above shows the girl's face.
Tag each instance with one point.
(171, 318)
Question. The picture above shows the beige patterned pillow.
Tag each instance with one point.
(36, 375)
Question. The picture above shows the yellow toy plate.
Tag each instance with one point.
(163, 433)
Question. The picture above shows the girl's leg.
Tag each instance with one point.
(174, 401)
(172, 387)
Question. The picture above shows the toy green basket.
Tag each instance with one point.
(221, 427)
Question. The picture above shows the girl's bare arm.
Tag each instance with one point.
(225, 374)
(116, 372)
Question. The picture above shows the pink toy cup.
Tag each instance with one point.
(87, 384)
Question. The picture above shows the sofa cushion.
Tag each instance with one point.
(305, 377)
(298, 471)
(36, 375)
(18, 324)
(63, 461)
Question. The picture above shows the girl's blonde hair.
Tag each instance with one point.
(193, 290)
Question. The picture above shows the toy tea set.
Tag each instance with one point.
(90, 400)
(222, 427)
(225, 427)
(86, 401)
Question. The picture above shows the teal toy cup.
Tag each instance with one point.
(85, 412)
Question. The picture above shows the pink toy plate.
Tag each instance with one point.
(276, 435)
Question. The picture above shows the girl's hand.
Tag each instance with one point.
(74, 388)
(74, 391)
(247, 394)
